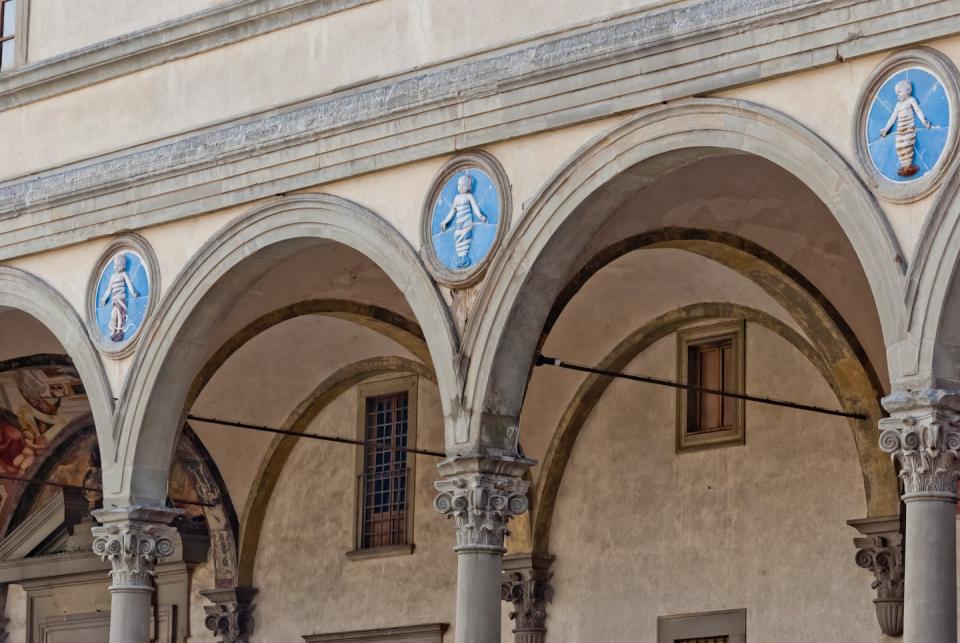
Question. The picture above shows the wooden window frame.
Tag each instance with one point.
(691, 338)
(410, 385)
(21, 22)
(729, 623)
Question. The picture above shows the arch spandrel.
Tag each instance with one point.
(538, 258)
(152, 403)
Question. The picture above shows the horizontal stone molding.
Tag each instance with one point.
(171, 40)
(619, 66)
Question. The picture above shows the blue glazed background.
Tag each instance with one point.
(136, 307)
(932, 97)
(484, 234)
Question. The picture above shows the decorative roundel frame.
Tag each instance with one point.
(133, 244)
(942, 70)
(486, 163)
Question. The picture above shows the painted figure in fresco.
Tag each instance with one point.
(465, 208)
(906, 139)
(117, 290)
(18, 447)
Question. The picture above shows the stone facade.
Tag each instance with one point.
(310, 203)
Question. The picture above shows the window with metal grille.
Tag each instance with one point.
(8, 24)
(727, 626)
(385, 478)
(710, 357)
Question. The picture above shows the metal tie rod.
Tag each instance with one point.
(312, 436)
(543, 360)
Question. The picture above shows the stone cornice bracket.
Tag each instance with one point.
(481, 495)
(922, 434)
(526, 584)
(134, 544)
(230, 618)
(880, 551)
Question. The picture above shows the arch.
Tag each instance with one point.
(879, 484)
(929, 354)
(271, 466)
(30, 294)
(161, 375)
(526, 278)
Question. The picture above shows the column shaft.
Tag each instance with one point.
(130, 615)
(930, 592)
(478, 597)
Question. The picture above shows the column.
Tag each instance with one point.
(133, 539)
(480, 495)
(526, 584)
(922, 436)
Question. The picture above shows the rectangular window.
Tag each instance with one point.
(729, 626)
(8, 27)
(387, 412)
(712, 359)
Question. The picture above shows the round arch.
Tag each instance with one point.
(25, 292)
(880, 482)
(526, 278)
(152, 405)
(929, 354)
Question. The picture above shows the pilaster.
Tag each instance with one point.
(526, 585)
(230, 618)
(880, 551)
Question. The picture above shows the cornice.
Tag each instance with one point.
(171, 40)
(668, 53)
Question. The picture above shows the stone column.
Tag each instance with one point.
(133, 539)
(480, 494)
(230, 618)
(526, 584)
(923, 436)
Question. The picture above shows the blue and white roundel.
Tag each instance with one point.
(465, 218)
(123, 292)
(902, 147)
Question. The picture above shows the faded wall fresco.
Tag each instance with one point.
(47, 433)
(41, 400)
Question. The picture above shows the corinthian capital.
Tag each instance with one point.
(526, 585)
(132, 546)
(923, 436)
(481, 495)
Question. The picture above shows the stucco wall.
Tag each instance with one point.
(58, 26)
(641, 532)
(306, 583)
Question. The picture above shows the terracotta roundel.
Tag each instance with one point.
(465, 216)
(120, 295)
(907, 122)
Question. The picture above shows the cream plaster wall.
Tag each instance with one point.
(256, 75)
(201, 578)
(307, 585)
(264, 381)
(831, 117)
(16, 611)
(22, 335)
(640, 531)
(57, 26)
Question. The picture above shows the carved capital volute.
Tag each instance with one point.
(481, 495)
(922, 435)
(526, 585)
(133, 545)
(230, 618)
(880, 551)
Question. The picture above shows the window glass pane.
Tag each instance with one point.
(9, 17)
(729, 386)
(710, 378)
(6, 55)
